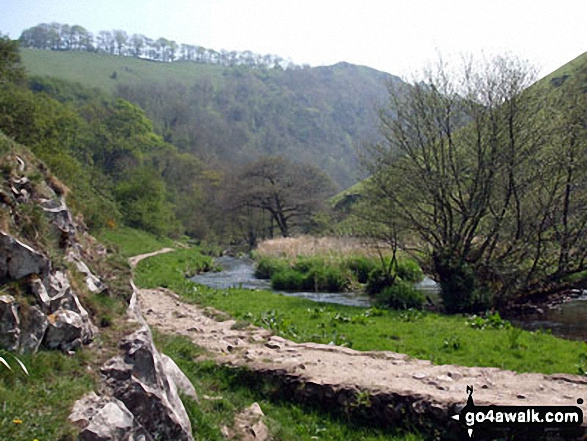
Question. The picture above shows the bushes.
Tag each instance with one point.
(334, 274)
(400, 295)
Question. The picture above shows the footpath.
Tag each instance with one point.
(390, 388)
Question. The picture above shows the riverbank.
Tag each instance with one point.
(363, 384)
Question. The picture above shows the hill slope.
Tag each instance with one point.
(234, 115)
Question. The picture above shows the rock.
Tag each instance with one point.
(66, 331)
(40, 293)
(33, 328)
(18, 260)
(105, 419)
(184, 385)
(249, 425)
(60, 214)
(9, 323)
(139, 379)
(93, 283)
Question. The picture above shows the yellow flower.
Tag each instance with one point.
(17, 421)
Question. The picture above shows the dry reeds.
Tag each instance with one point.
(292, 247)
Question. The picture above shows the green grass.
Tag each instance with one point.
(131, 242)
(171, 269)
(439, 338)
(96, 69)
(236, 389)
(37, 406)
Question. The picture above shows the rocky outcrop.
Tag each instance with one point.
(58, 320)
(18, 260)
(139, 394)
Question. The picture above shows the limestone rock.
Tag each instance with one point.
(33, 330)
(9, 323)
(93, 283)
(139, 379)
(184, 385)
(249, 425)
(18, 260)
(66, 330)
(105, 419)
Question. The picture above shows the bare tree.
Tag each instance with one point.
(291, 193)
(464, 168)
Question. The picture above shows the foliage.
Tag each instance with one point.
(10, 68)
(488, 321)
(400, 295)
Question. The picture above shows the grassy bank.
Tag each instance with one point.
(131, 242)
(441, 339)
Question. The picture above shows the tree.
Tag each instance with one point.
(291, 193)
(10, 67)
(468, 169)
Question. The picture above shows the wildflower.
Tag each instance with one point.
(17, 421)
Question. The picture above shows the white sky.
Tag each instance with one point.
(396, 36)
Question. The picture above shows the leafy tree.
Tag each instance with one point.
(469, 171)
(10, 67)
(142, 197)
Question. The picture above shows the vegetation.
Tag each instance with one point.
(37, 406)
(63, 37)
(439, 338)
(227, 116)
(486, 179)
(131, 242)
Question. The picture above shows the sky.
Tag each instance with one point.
(395, 36)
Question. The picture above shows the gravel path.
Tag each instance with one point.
(440, 387)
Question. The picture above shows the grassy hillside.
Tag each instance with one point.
(234, 115)
(96, 70)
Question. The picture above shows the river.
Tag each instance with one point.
(568, 320)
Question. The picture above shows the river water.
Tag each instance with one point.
(568, 320)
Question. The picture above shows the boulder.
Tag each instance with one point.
(183, 384)
(67, 331)
(18, 260)
(9, 323)
(105, 419)
(139, 379)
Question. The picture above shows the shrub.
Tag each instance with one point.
(401, 295)
(377, 281)
(287, 279)
(361, 267)
(325, 278)
(410, 271)
(267, 266)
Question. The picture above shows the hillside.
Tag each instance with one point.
(236, 114)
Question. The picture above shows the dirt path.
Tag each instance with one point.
(133, 261)
(435, 390)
